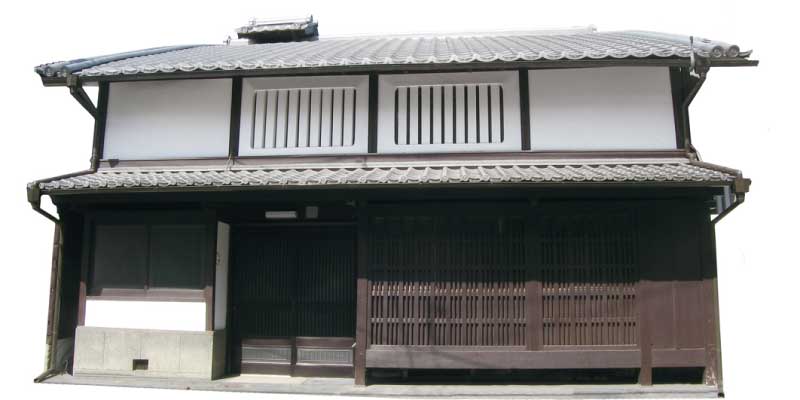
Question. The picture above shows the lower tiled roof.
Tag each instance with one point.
(677, 171)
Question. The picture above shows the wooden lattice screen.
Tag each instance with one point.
(588, 272)
(447, 281)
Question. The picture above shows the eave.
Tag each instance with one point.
(406, 68)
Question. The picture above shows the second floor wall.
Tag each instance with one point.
(614, 108)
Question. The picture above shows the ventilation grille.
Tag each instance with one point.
(589, 278)
(449, 114)
(255, 354)
(325, 356)
(303, 118)
(447, 281)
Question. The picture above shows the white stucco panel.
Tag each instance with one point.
(134, 314)
(615, 108)
(168, 119)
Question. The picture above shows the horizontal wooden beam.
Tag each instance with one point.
(438, 358)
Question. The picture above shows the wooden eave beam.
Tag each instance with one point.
(76, 90)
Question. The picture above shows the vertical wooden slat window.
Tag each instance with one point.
(449, 112)
(447, 281)
(303, 117)
(589, 273)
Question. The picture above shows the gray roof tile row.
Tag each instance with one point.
(167, 179)
(402, 50)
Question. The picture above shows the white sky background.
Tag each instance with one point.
(742, 118)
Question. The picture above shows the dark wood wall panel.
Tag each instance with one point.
(447, 281)
(671, 250)
(589, 270)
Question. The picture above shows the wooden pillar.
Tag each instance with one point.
(362, 297)
(533, 283)
(645, 336)
(83, 287)
(713, 357)
(648, 241)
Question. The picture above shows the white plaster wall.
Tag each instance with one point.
(168, 119)
(221, 280)
(158, 315)
(616, 108)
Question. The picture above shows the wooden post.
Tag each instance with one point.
(647, 243)
(362, 297)
(533, 284)
(86, 246)
(645, 337)
(713, 358)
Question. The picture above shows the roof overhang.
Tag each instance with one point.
(409, 174)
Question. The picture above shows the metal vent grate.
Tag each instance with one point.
(449, 114)
(302, 118)
(266, 354)
(325, 356)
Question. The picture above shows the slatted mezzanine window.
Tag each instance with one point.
(308, 115)
(447, 281)
(589, 274)
(449, 114)
(296, 118)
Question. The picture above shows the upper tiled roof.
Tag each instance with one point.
(578, 44)
(671, 171)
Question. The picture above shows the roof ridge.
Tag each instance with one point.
(456, 34)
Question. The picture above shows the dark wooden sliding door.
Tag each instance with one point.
(293, 299)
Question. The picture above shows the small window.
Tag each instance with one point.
(148, 256)
(120, 256)
(176, 256)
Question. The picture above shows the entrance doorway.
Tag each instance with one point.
(293, 292)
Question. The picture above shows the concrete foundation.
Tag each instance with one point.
(346, 387)
(149, 353)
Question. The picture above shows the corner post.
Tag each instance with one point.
(362, 296)
(712, 375)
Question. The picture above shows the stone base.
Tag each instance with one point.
(167, 354)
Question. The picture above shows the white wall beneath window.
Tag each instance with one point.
(618, 108)
(133, 314)
(168, 119)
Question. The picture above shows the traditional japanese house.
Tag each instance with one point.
(289, 204)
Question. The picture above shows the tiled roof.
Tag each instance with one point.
(533, 46)
(677, 171)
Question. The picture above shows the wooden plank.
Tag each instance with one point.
(679, 358)
(372, 123)
(362, 297)
(501, 358)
